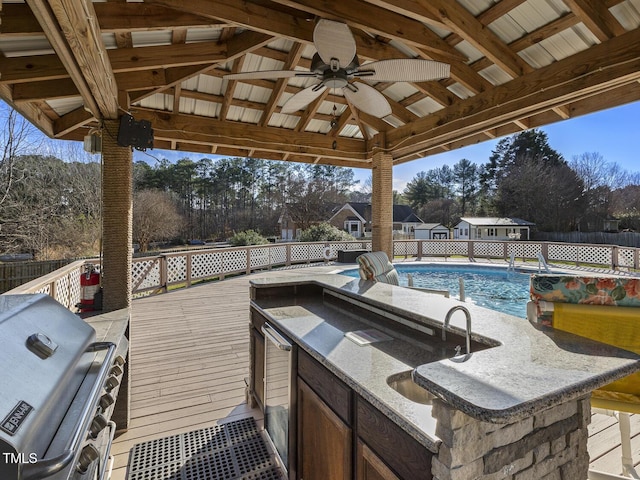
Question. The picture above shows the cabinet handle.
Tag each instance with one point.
(275, 338)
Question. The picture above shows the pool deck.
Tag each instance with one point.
(189, 359)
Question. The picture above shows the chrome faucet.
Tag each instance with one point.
(447, 319)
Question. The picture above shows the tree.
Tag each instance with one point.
(526, 178)
(248, 237)
(599, 179)
(155, 217)
(465, 175)
(324, 232)
(530, 144)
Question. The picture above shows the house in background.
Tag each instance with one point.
(296, 217)
(431, 231)
(492, 228)
(355, 218)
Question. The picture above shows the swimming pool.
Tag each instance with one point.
(489, 287)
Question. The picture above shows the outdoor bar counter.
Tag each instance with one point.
(517, 404)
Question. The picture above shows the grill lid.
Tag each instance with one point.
(43, 360)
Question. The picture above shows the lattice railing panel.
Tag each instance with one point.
(145, 273)
(259, 257)
(524, 250)
(278, 254)
(434, 248)
(405, 248)
(488, 249)
(205, 265)
(234, 260)
(299, 253)
(595, 255)
(74, 288)
(566, 253)
(316, 251)
(176, 269)
(626, 257)
(62, 290)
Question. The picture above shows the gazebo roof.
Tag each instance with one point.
(515, 64)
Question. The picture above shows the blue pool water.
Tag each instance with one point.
(489, 287)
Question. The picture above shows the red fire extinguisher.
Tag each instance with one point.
(89, 287)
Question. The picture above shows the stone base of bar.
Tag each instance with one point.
(551, 445)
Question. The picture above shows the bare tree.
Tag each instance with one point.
(155, 217)
(17, 137)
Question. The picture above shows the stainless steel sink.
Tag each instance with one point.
(405, 386)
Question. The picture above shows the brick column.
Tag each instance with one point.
(550, 445)
(117, 219)
(382, 204)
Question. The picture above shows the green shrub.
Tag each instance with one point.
(324, 232)
(248, 237)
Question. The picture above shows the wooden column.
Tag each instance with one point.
(382, 204)
(117, 219)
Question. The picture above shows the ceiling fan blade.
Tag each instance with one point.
(368, 99)
(259, 75)
(302, 98)
(334, 40)
(403, 70)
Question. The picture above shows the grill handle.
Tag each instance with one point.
(49, 466)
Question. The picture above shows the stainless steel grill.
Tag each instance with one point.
(57, 391)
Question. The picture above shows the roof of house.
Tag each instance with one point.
(430, 226)
(496, 221)
(401, 213)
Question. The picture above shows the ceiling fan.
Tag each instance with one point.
(336, 64)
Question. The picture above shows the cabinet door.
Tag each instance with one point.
(370, 466)
(324, 440)
(257, 367)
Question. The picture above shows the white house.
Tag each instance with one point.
(355, 218)
(492, 228)
(431, 231)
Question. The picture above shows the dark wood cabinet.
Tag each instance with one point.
(371, 467)
(401, 452)
(324, 440)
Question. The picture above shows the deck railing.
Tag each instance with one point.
(158, 273)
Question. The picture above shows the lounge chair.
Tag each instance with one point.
(375, 266)
(605, 309)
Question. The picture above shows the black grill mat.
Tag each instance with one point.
(231, 451)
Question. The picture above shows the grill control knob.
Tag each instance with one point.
(116, 370)
(119, 360)
(111, 383)
(87, 456)
(106, 401)
(98, 424)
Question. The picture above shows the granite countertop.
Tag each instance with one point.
(525, 370)
(112, 327)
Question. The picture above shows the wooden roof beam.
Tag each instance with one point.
(602, 67)
(380, 21)
(65, 56)
(459, 20)
(597, 17)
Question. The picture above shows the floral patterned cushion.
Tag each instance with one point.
(614, 291)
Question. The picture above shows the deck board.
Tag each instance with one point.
(190, 355)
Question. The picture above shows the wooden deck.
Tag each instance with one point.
(189, 358)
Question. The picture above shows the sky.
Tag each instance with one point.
(613, 133)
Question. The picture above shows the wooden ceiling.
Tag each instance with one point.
(515, 64)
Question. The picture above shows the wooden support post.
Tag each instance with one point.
(117, 219)
(382, 204)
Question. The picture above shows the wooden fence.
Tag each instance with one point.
(158, 273)
(13, 274)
